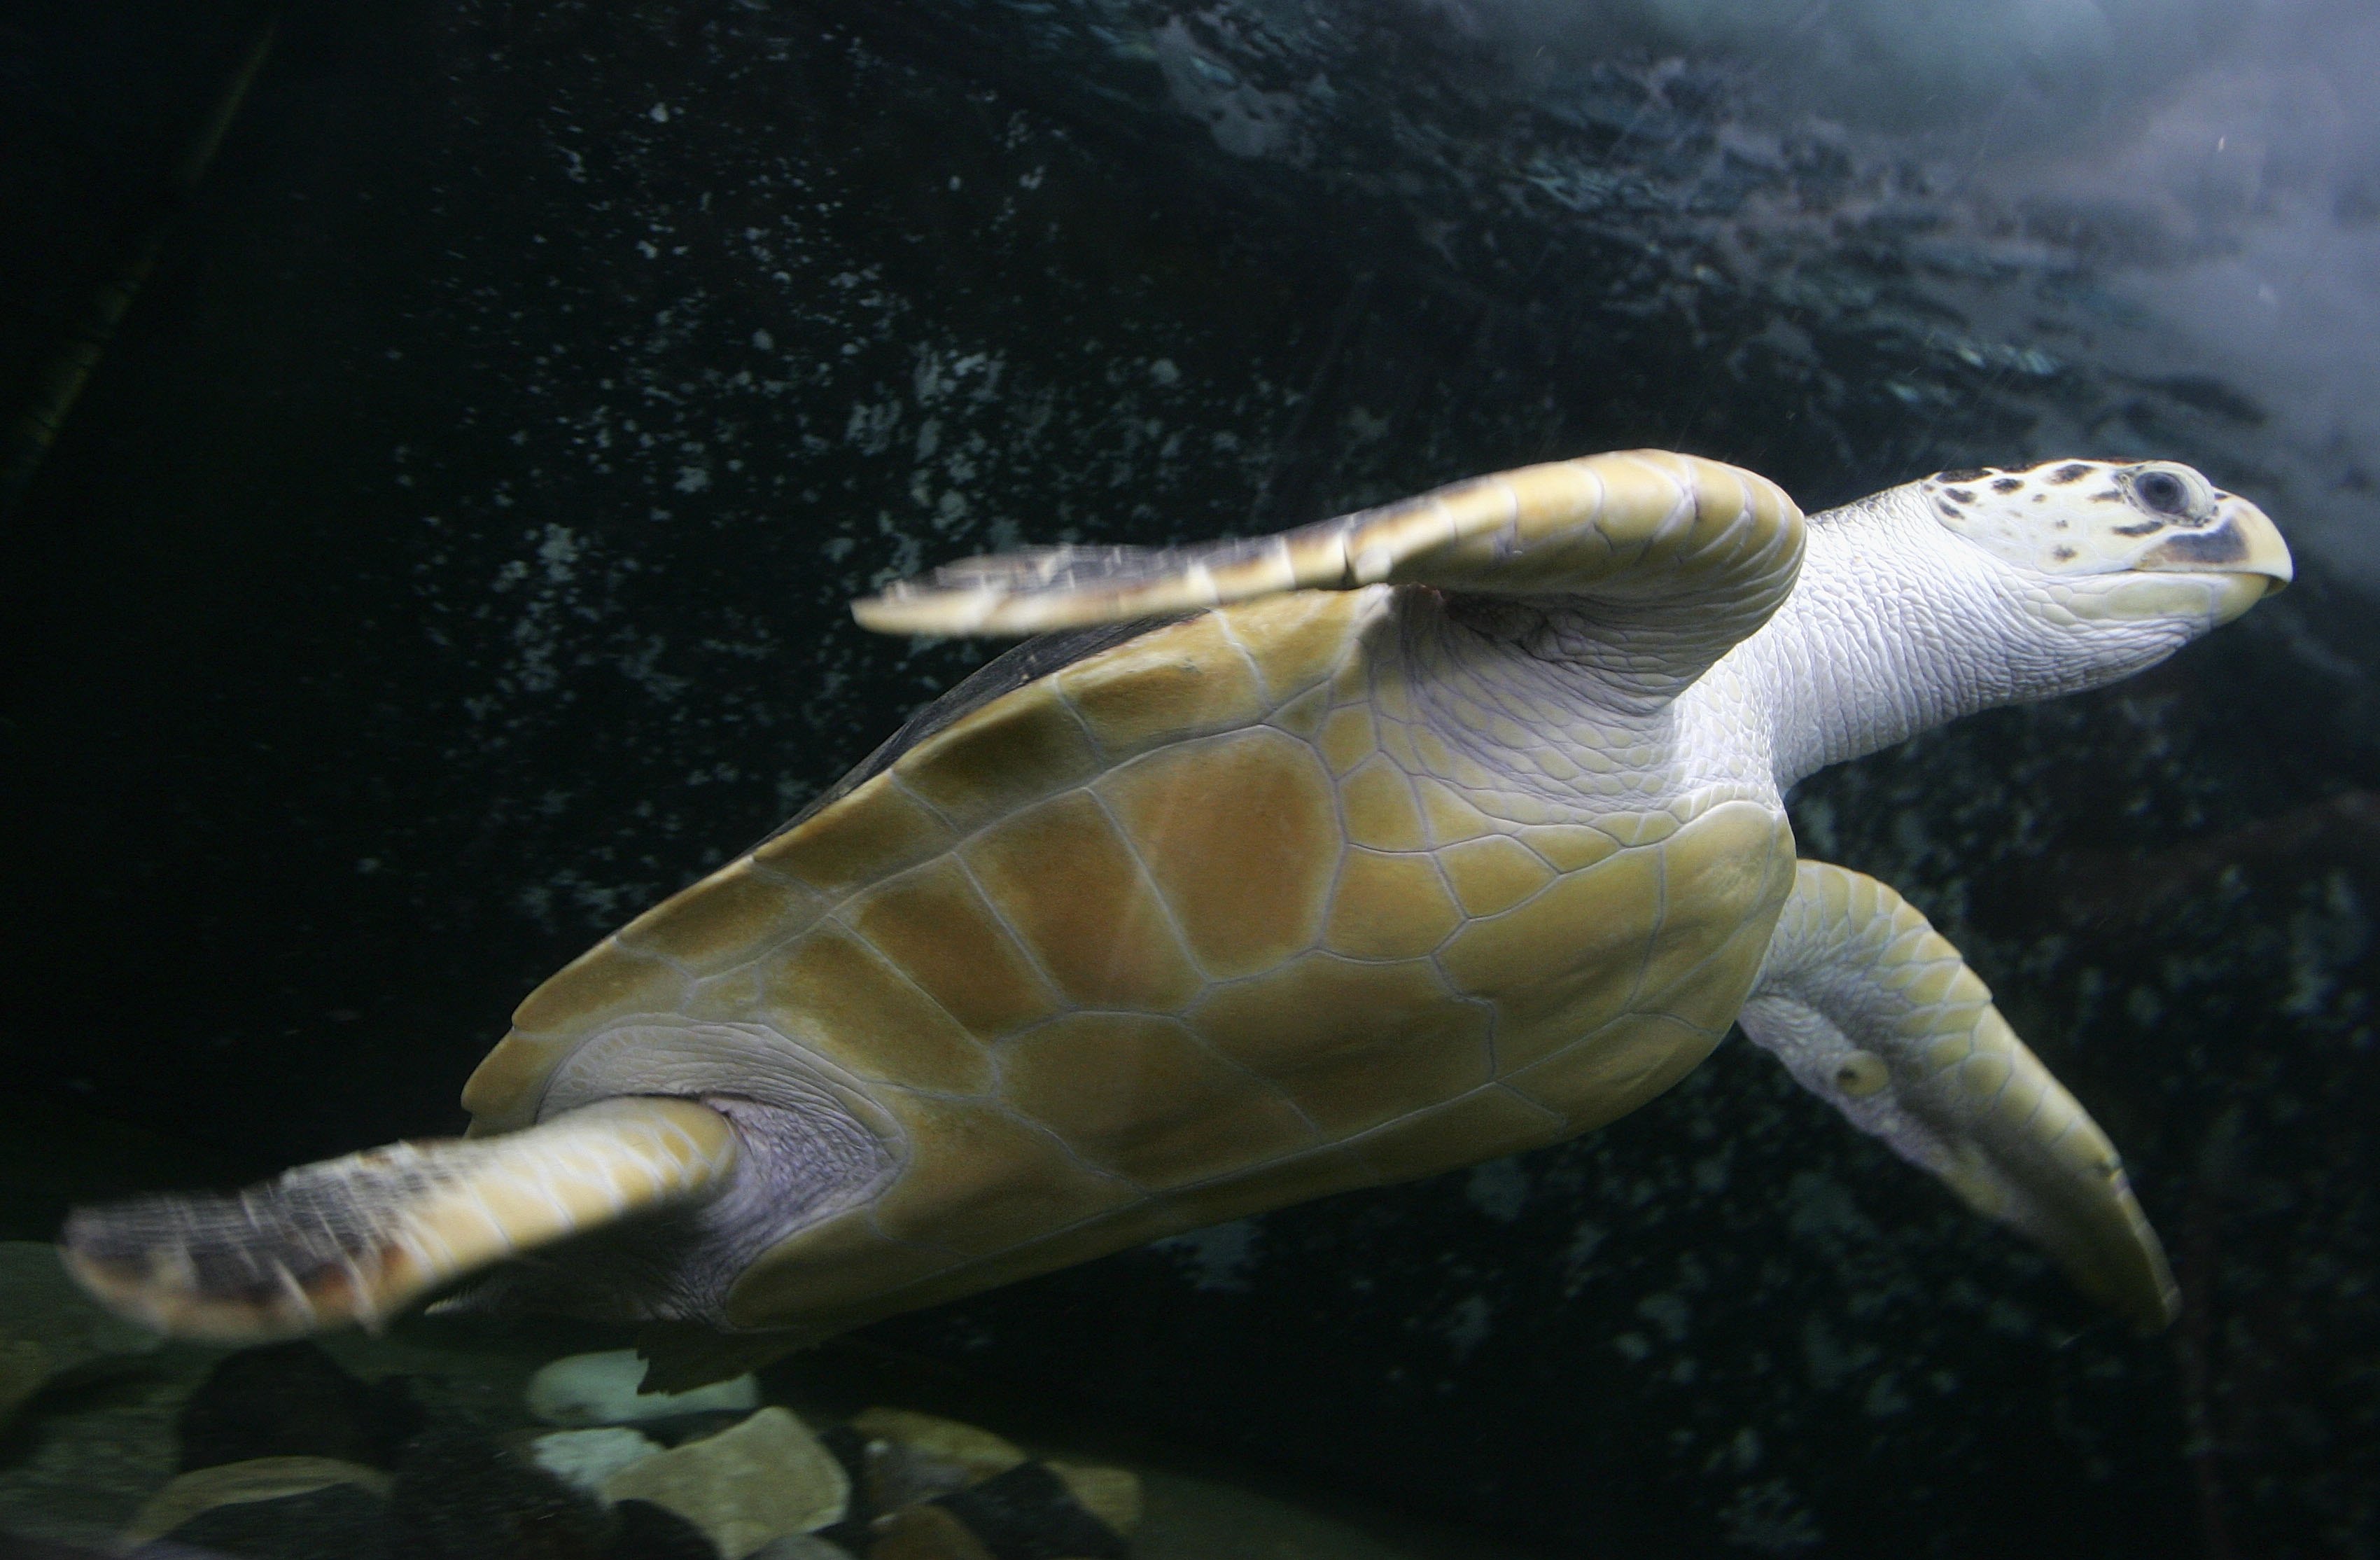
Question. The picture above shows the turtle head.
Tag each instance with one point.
(2140, 544)
(1973, 589)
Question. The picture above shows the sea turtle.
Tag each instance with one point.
(1276, 868)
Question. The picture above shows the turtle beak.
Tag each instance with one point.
(2243, 542)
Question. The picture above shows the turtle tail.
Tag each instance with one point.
(358, 1239)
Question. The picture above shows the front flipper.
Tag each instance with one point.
(358, 1239)
(1873, 1010)
(1708, 547)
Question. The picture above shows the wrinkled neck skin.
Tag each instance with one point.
(1897, 626)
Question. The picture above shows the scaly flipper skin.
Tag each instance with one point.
(354, 1239)
(1873, 1010)
(1671, 526)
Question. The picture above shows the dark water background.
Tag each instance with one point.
(449, 560)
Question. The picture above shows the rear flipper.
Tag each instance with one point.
(1874, 1011)
(358, 1239)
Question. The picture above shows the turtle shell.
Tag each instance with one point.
(1148, 929)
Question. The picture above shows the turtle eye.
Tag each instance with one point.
(2161, 492)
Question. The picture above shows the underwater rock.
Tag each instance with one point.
(764, 1479)
(458, 1497)
(646, 1531)
(908, 1458)
(926, 1532)
(799, 1546)
(584, 1459)
(1032, 1513)
(16, 1546)
(980, 1451)
(1111, 1495)
(986, 1484)
(259, 1480)
(849, 1449)
(465, 1496)
(341, 1520)
(292, 1400)
(48, 1327)
(894, 1476)
(587, 1389)
(676, 1430)
(24, 1366)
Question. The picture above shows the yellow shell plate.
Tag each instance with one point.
(1192, 927)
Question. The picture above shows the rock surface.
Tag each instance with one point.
(584, 1458)
(292, 1399)
(81, 1465)
(642, 1530)
(462, 1495)
(925, 1532)
(48, 1328)
(1032, 1510)
(260, 1479)
(907, 1459)
(799, 1546)
(16, 1547)
(339, 1521)
(766, 1478)
(602, 1389)
(1111, 1495)
(978, 1451)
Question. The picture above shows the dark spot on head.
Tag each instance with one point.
(2112, 495)
(1963, 474)
(1963, 495)
(2222, 545)
(1947, 507)
(2007, 484)
(2062, 524)
(2039, 497)
(2061, 554)
(2073, 473)
(2140, 528)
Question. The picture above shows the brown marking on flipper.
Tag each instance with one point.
(358, 1239)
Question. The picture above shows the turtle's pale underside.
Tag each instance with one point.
(1278, 868)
